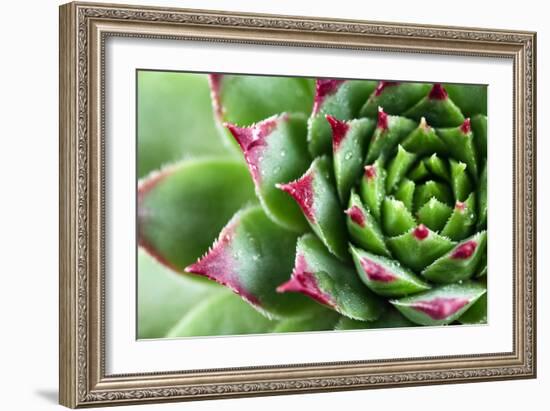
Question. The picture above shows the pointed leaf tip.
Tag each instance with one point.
(302, 191)
(466, 127)
(339, 130)
(323, 89)
(421, 232)
(303, 281)
(438, 92)
(382, 119)
(356, 215)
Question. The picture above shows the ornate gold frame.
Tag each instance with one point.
(83, 30)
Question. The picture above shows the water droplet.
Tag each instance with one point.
(348, 155)
(277, 170)
(283, 152)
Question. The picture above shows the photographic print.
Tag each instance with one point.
(272, 204)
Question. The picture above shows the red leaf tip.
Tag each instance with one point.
(323, 89)
(370, 172)
(218, 264)
(464, 251)
(382, 119)
(303, 281)
(339, 130)
(460, 206)
(252, 141)
(440, 308)
(356, 215)
(466, 127)
(437, 92)
(302, 191)
(375, 272)
(421, 232)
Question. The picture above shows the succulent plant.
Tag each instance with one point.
(364, 204)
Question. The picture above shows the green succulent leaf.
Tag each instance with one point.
(441, 305)
(462, 221)
(389, 132)
(252, 256)
(329, 281)
(275, 151)
(460, 141)
(437, 109)
(222, 313)
(316, 195)
(424, 140)
(317, 319)
(182, 208)
(396, 218)
(159, 292)
(459, 263)
(398, 168)
(419, 247)
(174, 120)
(482, 195)
(477, 313)
(349, 140)
(385, 276)
(341, 99)
(471, 99)
(394, 97)
(479, 128)
(372, 188)
(405, 193)
(390, 318)
(363, 228)
(434, 214)
(245, 100)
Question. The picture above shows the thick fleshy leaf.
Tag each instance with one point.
(174, 119)
(424, 140)
(424, 192)
(396, 219)
(223, 313)
(324, 278)
(275, 150)
(372, 188)
(394, 97)
(398, 168)
(437, 109)
(363, 228)
(482, 198)
(471, 99)
(318, 318)
(419, 247)
(385, 276)
(340, 99)
(349, 140)
(460, 181)
(245, 100)
(441, 305)
(419, 172)
(164, 296)
(437, 167)
(390, 318)
(316, 195)
(460, 142)
(434, 214)
(462, 221)
(479, 128)
(181, 209)
(389, 132)
(405, 193)
(252, 256)
(459, 263)
(477, 313)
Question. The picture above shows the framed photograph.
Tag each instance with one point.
(260, 204)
